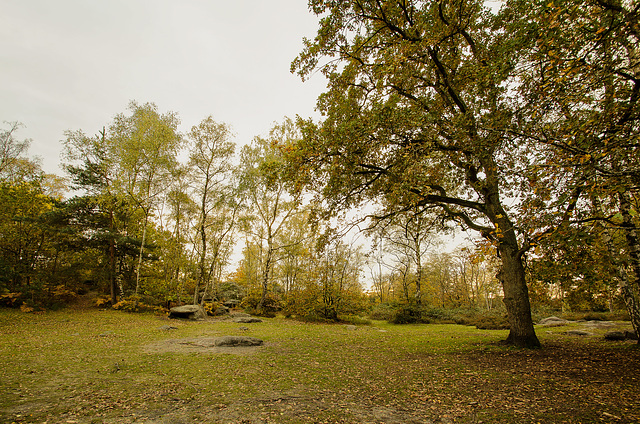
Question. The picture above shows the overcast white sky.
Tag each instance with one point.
(74, 64)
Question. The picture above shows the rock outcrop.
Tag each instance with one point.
(190, 312)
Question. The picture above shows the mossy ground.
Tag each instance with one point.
(91, 366)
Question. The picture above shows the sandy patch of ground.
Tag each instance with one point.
(198, 345)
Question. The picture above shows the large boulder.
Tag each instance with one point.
(553, 322)
(235, 341)
(190, 312)
(615, 335)
(222, 310)
(621, 335)
(231, 303)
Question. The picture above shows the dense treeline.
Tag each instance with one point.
(519, 124)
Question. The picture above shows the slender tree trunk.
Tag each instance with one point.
(144, 239)
(112, 260)
(201, 264)
(418, 275)
(631, 284)
(265, 276)
(112, 271)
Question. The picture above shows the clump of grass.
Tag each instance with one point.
(355, 320)
(596, 316)
(383, 312)
(410, 314)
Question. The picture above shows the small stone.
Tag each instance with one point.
(351, 327)
(167, 328)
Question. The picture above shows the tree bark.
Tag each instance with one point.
(516, 298)
(265, 277)
(203, 257)
(112, 260)
(418, 273)
(631, 279)
(144, 239)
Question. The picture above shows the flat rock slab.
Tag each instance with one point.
(167, 328)
(553, 322)
(237, 341)
(620, 335)
(582, 333)
(599, 324)
(190, 312)
(204, 345)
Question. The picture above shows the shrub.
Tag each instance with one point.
(63, 294)
(270, 306)
(410, 314)
(383, 312)
(441, 316)
(102, 301)
(211, 307)
(355, 320)
(134, 304)
(9, 299)
(485, 322)
(312, 317)
(26, 308)
(597, 316)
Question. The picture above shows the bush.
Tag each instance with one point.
(355, 320)
(102, 301)
(383, 312)
(62, 293)
(490, 322)
(312, 317)
(10, 299)
(270, 306)
(211, 307)
(134, 304)
(410, 314)
(596, 316)
(442, 316)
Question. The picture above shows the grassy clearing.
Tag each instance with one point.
(96, 367)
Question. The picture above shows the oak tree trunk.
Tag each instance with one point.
(516, 298)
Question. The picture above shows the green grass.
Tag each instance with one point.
(96, 367)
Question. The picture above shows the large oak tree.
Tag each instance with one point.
(416, 113)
